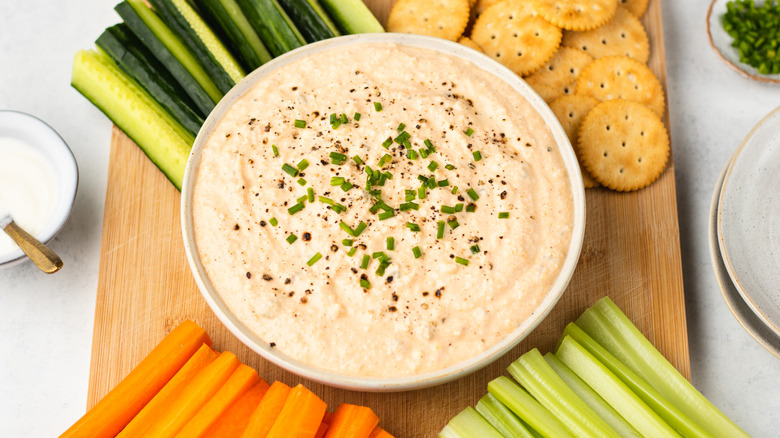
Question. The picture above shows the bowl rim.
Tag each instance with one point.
(382, 384)
(68, 179)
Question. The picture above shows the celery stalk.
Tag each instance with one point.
(502, 418)
(607, 324)
(615, 392)
(536, 376)
(469, 424)
(527, 408)
(673, 416)
(593, 400)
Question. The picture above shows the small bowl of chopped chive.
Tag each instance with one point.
(746, 36)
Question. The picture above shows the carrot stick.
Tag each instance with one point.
(380, 433)
(352, 421)
(301, 415)
(233, 422)
(239, 382)
(136, 428)
(266, 412)
(111, 414)
(326, 419)
(200, 389)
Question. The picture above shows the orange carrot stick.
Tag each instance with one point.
(352, 421)
(189, 401)
(380, 433)
(301, 415)
(111, 414)
(234, 420)
(266, 412)
(136, 428)
(239, 382)
(322, 429)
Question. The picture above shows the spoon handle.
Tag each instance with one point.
(40, 254)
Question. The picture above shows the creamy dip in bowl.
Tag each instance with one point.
(382, 212)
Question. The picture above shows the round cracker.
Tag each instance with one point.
(576, 14)
(623, 35)
(481, 5)
(623, 144)
(547, 93)
(513, 34)
(614, 77)
(466, 41)
(636, 7)
(561, 70)
(571, 111)
(438, 18)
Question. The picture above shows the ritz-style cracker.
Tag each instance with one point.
(571, 111)
(614, 77)
(623, 35)
(561, 71)
(576, 14)
(445, 19)
(636, 7)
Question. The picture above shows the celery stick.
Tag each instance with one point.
(599, 406)
(502, 418)
(605, 323)
(673, 416)
(469, 424)
(615, 392)
(527, 408)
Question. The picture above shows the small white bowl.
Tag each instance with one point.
(44, 138)
(464, 368)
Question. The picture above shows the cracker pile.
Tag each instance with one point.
(585, 58)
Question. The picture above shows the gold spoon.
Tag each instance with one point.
(43, 257)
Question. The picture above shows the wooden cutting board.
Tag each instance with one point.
(631, 253)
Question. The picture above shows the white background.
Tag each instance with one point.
(46, 321)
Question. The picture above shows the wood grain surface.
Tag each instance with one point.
(631, 253)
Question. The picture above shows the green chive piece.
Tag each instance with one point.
(386, 215)
(357, 160)
(417, 252)
(333, 118)
(365, 284)
(386, 158)
(300, 123)
(338, 208)
(477, 155)
(303, 164)
(291, 238)
(413, 227)
(347, 228)
(429, 145)
(336, 124)
(377, 106)
(379, 255)
(462, 261)
(344, 119)
(443, 183)
(410, 206)
(469, 132)
(421, 192)
(474, 249)
(326, 200)
(449, 167)
(440, 230)
(422, 178)
(400, 127)
(295, 209)
(402, 138)
(314, 259)
(446, 209)
(472, 194)
(360, 228)
(346, 186)
(337, 180)
(293, 172)
(391, 243)
(375, 208)
(471, 208)
(302, 199)
(503, 215)
(424, 153)
(407, 144)
(273, 222)
(411, 154)
(459, 207)
(310, 194)
(347, 242)
(454, 190)
(386, 144)
(338, 158)
(380, 271)
(301, 181)
(433, 166)
(453, 224)
(356, 116)
(365, 262)
(352, 252)
(409, 195)
(275, 150)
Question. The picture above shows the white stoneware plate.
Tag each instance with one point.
(749, 220)
(481, 359)
(742, 312)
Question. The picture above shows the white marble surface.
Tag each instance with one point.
(46, 322)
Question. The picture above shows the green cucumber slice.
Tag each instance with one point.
(352, 16)
(311, 19)
(273, 25)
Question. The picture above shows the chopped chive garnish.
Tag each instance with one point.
(433, 166)
(333, 118)
(472, 194)
(386, 215)
(377, 106)
(412, 226)
(291, 238)
(429, 145)
(352, 252)
(386, 158)
(402, 137)
(295, 209)
(453, 224)
(386, 144)
(344, 119)
(302, 199)
(424, 153)
(365, 284)
(379, 255)
(347, 242)
(375, 208)
(380, 271)
(459, 207)
(273, 222)
(366, 260)
(448, 210)
(409, 195)
(346, 186)
(503, 215)
(410, 206)
(337, 180)
(301, 181)
(468, 132)
(338, 158)
(471, 208)
(336, 124)
(440, 230)
(293, 172)
(474, 249)
(326, 200)
(410, 154)
(477, 155)
(422, 178)
(417, 252)
(462, 261)
(454, 190)
(449, 167)
(314, 259)
(300, 123)
(338, 208)
(407, 144)
(391, 243)
(357, 160)
(360, 228)
(275, 150)
(400, 127)
(421, 192)
(347, 228)
(303, 164)
(310, 194)
(443, 183)
(382, 180)
(356, 116)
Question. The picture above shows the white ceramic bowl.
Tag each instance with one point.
(45, 139)
(385, 384)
